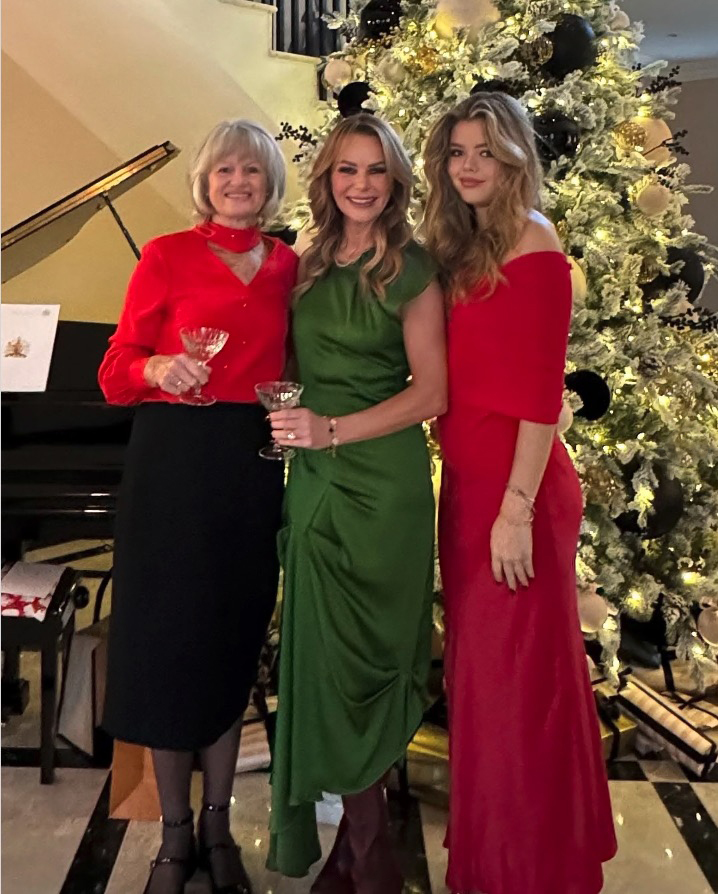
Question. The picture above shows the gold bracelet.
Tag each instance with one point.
(529, 501)
(333, 438)
(517, 524)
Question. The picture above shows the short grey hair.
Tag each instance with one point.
(245, 138)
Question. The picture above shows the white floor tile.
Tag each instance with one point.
(42, 826)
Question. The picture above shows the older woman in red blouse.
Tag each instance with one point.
(195, 574)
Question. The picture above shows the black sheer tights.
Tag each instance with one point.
(174, 773)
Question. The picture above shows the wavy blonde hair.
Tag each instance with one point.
(465, 250)
(391, 230)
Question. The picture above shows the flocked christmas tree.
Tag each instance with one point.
(643, 356)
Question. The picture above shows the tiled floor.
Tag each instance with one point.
(58, 839)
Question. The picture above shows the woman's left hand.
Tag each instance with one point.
(512, 551)
(300, 428)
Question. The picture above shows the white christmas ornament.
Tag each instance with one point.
(619, 21)
(337, 73)
(592, 608)
(565, 419)
(579, 286)
(657, 132)
(465, 14)
(653, 199)
(707, 625)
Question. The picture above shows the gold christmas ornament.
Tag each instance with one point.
(536, 52)
(565, 419)
(472, 14)
(579, 287)
(425, 61)
(598, 483)
(563, 232)
(707, 625)
(657, 134)
(653, 199)
(630, 135)
(444, 25)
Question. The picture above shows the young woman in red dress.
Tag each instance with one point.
(530, 810)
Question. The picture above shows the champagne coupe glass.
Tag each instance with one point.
(278, 396)
(201, 344)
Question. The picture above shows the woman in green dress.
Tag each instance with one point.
(357, 546)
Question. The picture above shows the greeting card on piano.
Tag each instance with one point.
(27, 333)
(27, 589)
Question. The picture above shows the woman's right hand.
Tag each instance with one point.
(175, 373)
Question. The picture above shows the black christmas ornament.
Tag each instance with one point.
(351, 97)
(593, 391)
(285, 234)
(378, 19)
(574, 46)
(691, 273)
(556, 135)
(510, 88)
(667, 506)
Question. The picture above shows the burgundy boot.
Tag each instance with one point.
(373, 869)
(335, 877)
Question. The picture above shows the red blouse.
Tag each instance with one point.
(179, 282)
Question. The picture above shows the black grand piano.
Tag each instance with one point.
(63, 449)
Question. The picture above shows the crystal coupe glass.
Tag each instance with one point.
(201, 344)
(278, 396)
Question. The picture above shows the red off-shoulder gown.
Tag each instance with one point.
(530, 810)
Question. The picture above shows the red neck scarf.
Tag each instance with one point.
(230, 238)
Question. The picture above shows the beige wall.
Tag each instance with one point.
(88, 85)
(46, 154)
(697, 112)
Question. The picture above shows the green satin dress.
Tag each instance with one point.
(357, 551)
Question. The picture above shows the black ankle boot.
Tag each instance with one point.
(188, 862)
(223, 860)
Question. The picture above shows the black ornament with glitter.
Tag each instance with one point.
(556, 135)
(574, 46)
(378, 19)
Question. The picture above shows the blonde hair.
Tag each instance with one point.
(245, 138)
(466, 250)
(392, 230)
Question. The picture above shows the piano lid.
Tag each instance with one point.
(33, 239)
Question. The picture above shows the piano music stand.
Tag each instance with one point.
(51, 637)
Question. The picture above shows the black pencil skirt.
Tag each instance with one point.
(195, 574)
